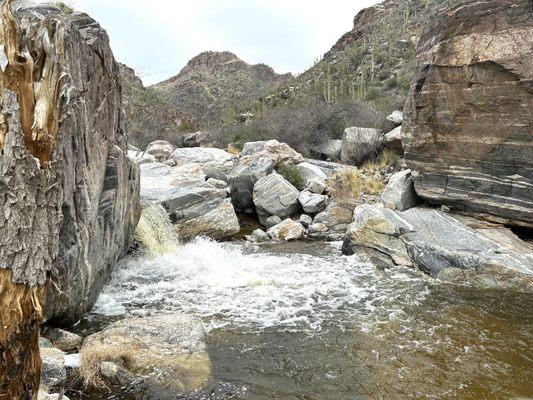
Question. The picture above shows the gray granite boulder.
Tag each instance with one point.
(243, 178)
(393, 121)
(312, 176)
(274, 195)
(312, 203)
(331, 224)
(400, 192)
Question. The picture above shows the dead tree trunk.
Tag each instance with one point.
(29, 198)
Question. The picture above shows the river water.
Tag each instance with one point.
(302, 321)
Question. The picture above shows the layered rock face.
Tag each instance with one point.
(74, 107)
(468, 130)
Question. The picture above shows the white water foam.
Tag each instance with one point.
(227, 284)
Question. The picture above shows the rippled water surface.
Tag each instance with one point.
(301, 321)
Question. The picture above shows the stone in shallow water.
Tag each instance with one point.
(287, 230)
(166, 353)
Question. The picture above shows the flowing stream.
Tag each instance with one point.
(301, 321)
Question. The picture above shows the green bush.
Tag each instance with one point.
(291, 173)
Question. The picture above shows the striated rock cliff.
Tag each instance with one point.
(69, 192)
(468, 131)
(212, 84)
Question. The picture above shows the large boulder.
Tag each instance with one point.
(276, 151)
(393, 140)
(166, 355)
(243, 178)
(400, 192)
(197, 139)
(274, 195)
(442, 244)
(160, 149)
(328, 150)
(195, 206)
(75, 138)
(202, 155)
(467, 131)
(392, 121)
(359, 144)
(312, 176)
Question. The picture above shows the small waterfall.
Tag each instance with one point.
(156, 232)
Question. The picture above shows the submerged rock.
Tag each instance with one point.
(468, 123)
(166, 354)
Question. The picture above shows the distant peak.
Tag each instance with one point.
(211, 58)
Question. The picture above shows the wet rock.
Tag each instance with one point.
(392, 121)
(166, 354)
(218, 223)
(312, 176)
(160, 150)
(64, 340)
(53, 372)
(287, 230)
(274, 195)
(243, 178)
(260, 236)
(434, 242)
(115, 374)
(466, 134)
(378, 228)
(400, 192)
(358, 144)
(312, 203)
(272, 220)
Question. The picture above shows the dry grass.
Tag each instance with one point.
(386, 159)
(91, 359)
(373, 186)
(345, 185)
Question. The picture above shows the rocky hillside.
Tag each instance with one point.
(213, 84)
(374, 61)
(150, 116)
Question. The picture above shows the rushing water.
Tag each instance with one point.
(301, 321)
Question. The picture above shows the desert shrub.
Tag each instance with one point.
(302, 125)
(386, 159)
(291, 173)
(345, 185)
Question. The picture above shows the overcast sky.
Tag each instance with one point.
(158, 37)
